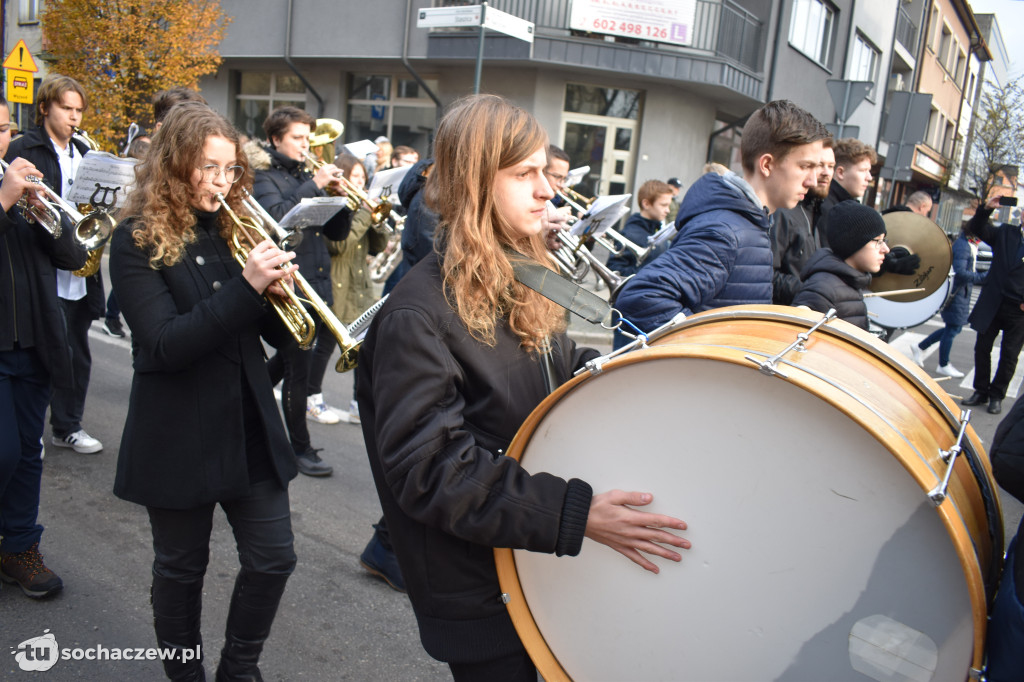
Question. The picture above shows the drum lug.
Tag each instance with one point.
(505, 598)
(976, 674)
(938, 494)
(769, 366)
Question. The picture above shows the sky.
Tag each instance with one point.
(1010, 15)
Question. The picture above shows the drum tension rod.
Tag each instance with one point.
(769, 366)
(938, 493)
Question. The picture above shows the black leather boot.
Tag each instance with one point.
(253, 607)
(177, 607)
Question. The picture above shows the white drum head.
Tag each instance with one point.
(815, 555)
(898, 315)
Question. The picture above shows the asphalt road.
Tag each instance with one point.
(335, 623)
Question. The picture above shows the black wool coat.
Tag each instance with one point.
(196, 329)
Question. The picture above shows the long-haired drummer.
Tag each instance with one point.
(202, 425)
(448, 373)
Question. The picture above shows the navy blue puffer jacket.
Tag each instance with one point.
(722, 256)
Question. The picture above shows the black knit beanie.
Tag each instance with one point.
(851, 225)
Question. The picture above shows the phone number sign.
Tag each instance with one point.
(663, 21)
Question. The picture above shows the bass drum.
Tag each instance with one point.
(905, 314)
(817, 554)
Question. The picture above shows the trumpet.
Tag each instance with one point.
(245, 235)
(379, 210)
(92, 231)
(576, 247)
(46, 215)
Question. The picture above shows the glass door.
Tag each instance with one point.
(604, 144)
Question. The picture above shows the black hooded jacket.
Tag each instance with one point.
(829, 282)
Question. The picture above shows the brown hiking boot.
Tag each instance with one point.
(28, 571)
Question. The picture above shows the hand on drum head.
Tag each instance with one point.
(629, 531)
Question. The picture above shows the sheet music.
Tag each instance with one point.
(603, 213)
(361, 149)
(103, 180)
(576, 175)
(312, 211)
(388, 180)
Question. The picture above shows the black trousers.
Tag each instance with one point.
(261, 523)
(291, 366)
(515, 668)
(1010, 320)
(67, 405)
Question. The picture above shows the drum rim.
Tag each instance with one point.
(958, 532)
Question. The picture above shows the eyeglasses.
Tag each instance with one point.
(211, 171)
(557, 178)
(879, 242)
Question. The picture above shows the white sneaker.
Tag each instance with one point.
(950, 371)
(352, 416)
(318, 411)
(918, 356)
(79, 441)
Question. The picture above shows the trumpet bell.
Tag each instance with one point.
(327, 131)
(922, 237)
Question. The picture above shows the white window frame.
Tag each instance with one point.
(865, 51)
(28, 12)
(393, 98)
(811, 29)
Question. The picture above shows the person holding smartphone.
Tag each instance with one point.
(1000, 307)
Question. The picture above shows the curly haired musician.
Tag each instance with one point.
(202, 427)
(448, 373)
(33, 356)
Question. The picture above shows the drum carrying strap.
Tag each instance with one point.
(560, 290)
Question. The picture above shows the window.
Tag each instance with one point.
(598, 101)
(945, 45)
(28, 12)
(948, 140)
(397, 108)
(934, 22)
(934, 129)
(259, 93)
(866, 58)
(811, 30)
(958, 69)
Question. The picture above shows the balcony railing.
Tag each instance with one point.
(906, 31)
(721, 27)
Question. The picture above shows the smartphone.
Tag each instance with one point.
(1007, 201)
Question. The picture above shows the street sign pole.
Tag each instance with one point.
(480, 49)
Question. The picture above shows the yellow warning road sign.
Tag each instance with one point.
(19, 86)
(20, 59)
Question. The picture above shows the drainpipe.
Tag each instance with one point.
(412, 71)
(295, 69)
(775, 56)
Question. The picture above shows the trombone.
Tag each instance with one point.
(245, 235)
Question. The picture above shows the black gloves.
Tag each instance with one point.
(900, 261)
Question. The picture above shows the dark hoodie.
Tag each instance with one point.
(722, 256)
(420, 221)
(829, 282)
